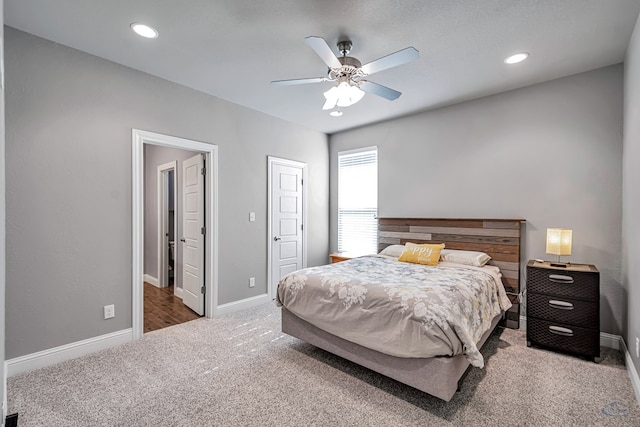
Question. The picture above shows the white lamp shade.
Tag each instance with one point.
(343, 95)
(559, 241)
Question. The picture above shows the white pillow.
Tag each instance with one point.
(393, 251)
(477, 259)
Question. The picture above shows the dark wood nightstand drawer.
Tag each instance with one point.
(564, 337)
(570, 284)
(563, 310)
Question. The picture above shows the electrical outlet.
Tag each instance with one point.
(109, 311)
(638, 347)
(252, 216)
(252, 282)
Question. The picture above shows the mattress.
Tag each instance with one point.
(397, 308)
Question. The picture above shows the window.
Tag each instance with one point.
(358, 201)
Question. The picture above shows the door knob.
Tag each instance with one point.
(277, 238)
(183, 240)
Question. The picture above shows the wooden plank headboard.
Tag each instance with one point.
(499, 238)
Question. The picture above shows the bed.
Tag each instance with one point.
(390, 316)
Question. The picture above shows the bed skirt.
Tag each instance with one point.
(438, 376)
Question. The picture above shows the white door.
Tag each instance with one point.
(287, 236)
(193, 233)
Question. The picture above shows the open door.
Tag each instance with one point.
(193, 233)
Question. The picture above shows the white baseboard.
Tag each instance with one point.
(4, 396)
(631, 369)
(610, 341)
(242, 304)
(59, 354)
(151, 280)
(178, 292)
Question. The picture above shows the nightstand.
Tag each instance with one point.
(563, 308)
(339, 257)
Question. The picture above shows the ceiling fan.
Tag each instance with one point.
(350, 75)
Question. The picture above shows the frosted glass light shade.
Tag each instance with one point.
(342, 95)
(559, 241)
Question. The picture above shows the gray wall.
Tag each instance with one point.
(631, 195)
(68, 148)
(549, 153)
(155, 156)
(2, 222)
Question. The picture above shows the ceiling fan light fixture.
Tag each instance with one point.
(518, 57)
(342, 95)
(144, 30)
(348, 73)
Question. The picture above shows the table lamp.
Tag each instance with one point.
(559, 243)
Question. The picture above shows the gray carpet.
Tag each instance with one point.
(241, 370)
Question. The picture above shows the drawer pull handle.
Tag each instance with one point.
(559, 278)
(561, 331)
(562, 305)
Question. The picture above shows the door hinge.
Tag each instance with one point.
(302, 182)
(204, 171)
(203, 230)
(202, 290)
(301, 226)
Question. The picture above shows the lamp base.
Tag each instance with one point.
(559, 264)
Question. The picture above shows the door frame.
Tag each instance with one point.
(271, 160)
(139, 139)
(163, 206)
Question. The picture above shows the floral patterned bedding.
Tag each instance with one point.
(398, 308)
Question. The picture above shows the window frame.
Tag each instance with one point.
(340, 244)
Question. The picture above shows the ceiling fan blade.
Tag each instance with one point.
(299, 81)
(324, 51)
(392, 60)
(376, 89)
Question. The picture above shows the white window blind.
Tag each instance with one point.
(358, 201)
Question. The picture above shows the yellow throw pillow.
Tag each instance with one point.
(427, 254)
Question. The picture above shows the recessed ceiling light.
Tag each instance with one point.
(336, 113)
(144, 30)
(518, 57)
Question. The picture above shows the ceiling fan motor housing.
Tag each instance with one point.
(350, 67)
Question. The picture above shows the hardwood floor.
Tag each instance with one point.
(162, 308)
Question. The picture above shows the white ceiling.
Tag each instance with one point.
(233, 48)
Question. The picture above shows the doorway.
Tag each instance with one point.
(207, 282)
(167, 227)
(174, 275)
(287, 234)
